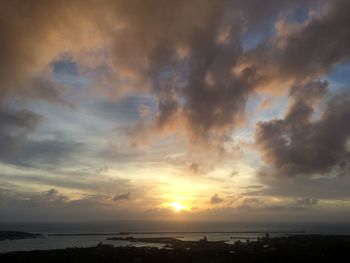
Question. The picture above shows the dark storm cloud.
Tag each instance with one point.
(300, 145)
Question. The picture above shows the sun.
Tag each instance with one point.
(177, 207)
(176, 204)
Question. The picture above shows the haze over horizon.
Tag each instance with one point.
(198, 110)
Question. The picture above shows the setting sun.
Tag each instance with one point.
(177, 207)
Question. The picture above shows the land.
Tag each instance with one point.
(160, 240)
(176, 243)
(299, 248)
(176, 233)
(84, 234)
(12, 235)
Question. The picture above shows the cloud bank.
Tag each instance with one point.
(157, 88)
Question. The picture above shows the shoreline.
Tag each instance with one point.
(15, 235)
(297, 248)
(176, 232)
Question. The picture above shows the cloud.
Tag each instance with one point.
(122, 197)
(252, 187)
(127, 108)
(53, 195)
(242, 202)
(183, 64)
(301, 145)
(78, 180)
(304, 187)
(234, 174)
(45, 89)
(35, 34)
(32, 35)
(37, 199)
(15, 126)
(300, 51)
(208, 100)
(49, 153)
(310, 48)
(306, 202)
(54, 205)
(197, 91)
(184, 70)
(196, 168)
(264, 204)
(215, 199)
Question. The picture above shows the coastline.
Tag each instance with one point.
(296, 248)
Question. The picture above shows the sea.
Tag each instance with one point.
(89, 234)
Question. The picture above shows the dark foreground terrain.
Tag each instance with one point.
(303, 248)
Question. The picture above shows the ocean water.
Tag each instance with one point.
(225, 231)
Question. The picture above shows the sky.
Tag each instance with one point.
(175, 110)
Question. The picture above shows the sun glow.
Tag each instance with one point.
(177, 207)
